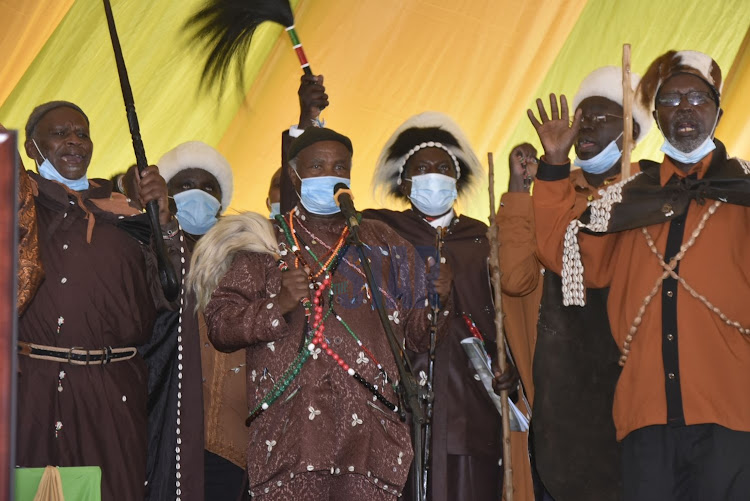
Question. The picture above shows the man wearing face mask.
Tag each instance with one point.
(666, 244)
(200, 180)
(323, 413)
(428, 162)
(574, 341)
(82, 384)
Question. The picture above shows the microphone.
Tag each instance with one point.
(343, 197)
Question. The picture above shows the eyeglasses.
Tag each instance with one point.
(694, 98)
(597, 119)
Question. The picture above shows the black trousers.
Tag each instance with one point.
(704, 462)
(224, 480)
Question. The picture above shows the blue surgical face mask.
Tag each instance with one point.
(691, 157)
(695, 156)
(602, 161)
(275, 209)
(317, 194)
(433, 194)
(196, 211)
(48, 171)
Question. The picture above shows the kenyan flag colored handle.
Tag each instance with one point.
(299, 50)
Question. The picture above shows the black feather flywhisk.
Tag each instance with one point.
(226, 29)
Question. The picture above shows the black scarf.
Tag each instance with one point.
(645, 202)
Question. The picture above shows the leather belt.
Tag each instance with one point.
(76, 356)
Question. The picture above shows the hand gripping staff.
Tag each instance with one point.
(167, 275)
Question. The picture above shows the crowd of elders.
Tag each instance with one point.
(272, 376)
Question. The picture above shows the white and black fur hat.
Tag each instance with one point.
(199, 155)
(606, 82)
(672, 63)
(425, 130)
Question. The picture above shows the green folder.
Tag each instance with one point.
(80, 483)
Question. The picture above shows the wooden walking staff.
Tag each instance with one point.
(627, 112)
(167, 275)
(500, 336)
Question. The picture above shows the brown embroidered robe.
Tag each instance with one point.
(325, 421)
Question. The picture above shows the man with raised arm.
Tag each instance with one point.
(324, 411)
(666, 243)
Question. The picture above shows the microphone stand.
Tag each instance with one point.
(429, 395)
(411, 391)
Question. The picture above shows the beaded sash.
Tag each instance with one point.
(641, 201)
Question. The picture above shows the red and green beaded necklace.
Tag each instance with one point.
(318, 326)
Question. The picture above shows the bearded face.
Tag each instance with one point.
(686, 111)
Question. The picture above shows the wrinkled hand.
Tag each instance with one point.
(523, 166)
(312, 99)
(444, 281)
(151, 186)
(295, 285)
(507, 380)
(555, 132)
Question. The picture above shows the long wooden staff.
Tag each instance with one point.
(627, 112)
(492, 237)
(167, 274)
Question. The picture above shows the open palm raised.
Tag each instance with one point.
(555, 132)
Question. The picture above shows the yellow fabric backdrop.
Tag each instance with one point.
(481, 61)
(77, 64)
(652, 28)
(26, 26)
(734, 128)
(384, 60)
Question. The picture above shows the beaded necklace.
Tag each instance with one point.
(304, 354)
(353, 267)
(319, 318)
(669, 272)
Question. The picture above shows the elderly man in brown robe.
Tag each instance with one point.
(82, 385)
(324, 413)
(429, 162)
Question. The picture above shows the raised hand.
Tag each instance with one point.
(555, 132)
(312, 99)
(523, 165)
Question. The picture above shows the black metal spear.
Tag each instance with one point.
(167, 275)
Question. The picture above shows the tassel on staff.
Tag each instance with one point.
(226, 28)
(492, 237)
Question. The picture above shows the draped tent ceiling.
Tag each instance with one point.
(481, 61)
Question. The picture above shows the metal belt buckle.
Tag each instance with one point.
(70, 353)
(106, 355)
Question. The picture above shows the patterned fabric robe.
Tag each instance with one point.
(325, 421)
